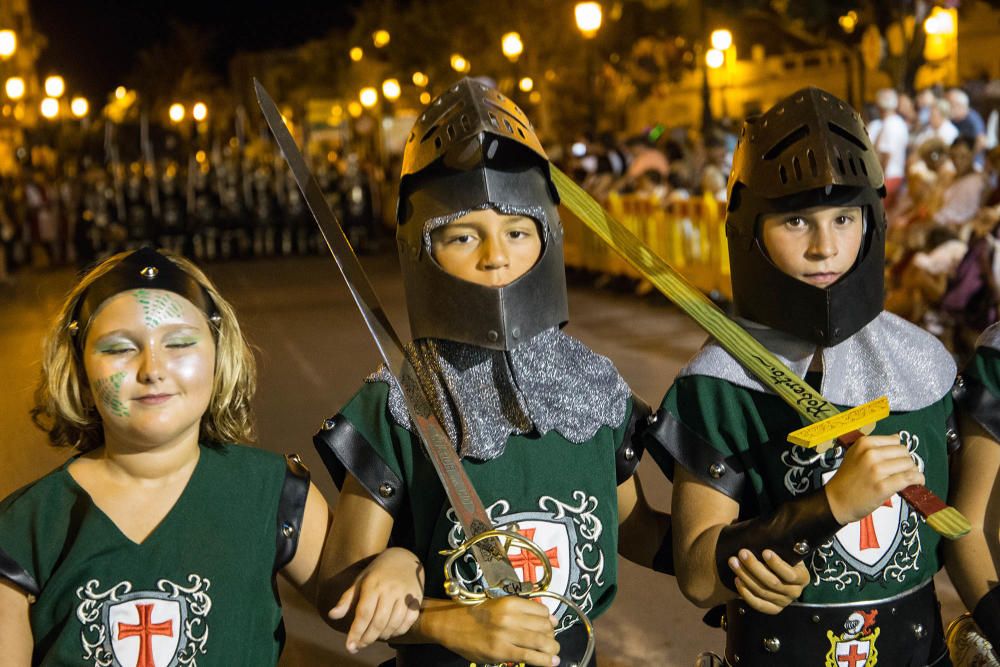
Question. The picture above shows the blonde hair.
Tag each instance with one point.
(63, 406)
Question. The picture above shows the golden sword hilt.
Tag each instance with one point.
(458, 590)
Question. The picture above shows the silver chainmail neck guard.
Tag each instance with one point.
(888, 357)
(552, 382)
(990, 338)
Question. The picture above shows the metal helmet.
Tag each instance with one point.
(809, 149)
(472, 149)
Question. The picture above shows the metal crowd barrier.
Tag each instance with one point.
(689, 234)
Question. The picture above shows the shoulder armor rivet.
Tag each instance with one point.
(815, 618)
(653, 418)
(716, 470)
(918, 631)
(287, 529)
(386, 490)
(492, 335)
(629, 453)
(959, 381)
(772, 644)
(296, 459)
(801, 547)
(328, 424)
(951, 436)
(149, 272)
(741, 609)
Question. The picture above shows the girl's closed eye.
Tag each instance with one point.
(180, 342)
(115, 347)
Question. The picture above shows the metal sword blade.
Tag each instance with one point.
(497, 570)
(746, 349)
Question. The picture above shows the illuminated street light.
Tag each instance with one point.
(368, 97)
(390, 89)
(940, 22)
(120, 92)
(380, 38)
(588, 18)
(8, 43)
(526, 84)
(715, 58)
(79, 106)
(420, 79)
(55, 86)
(176, 112)
(721, 39)
(849, 21)
(50, 107)
(354, 109)
(199, 111)
(425, 97)
(14, 87)
(357, 53)
(459, 64)
(512, 46)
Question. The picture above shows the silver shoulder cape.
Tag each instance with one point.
(990, 338)
(552, 382)
(888, 357)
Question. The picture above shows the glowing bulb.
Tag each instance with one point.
(50, 107)
(15, 87)
(55, 86)
(79, 106)
(176, 112)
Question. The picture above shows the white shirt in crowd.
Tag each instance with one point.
(946, 132)
(890, 135)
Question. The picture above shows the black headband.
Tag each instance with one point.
(143, 269)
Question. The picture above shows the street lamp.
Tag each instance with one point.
(588, 18)
(715, 58)
(55, 86)
(390, 89)
(380, 38)
(425, 97)
(14, 87)
(8, 43)
(460, 64)
(176, 112)
(79, 106)
(199, 111)
(420, 79)
(721, 39)
(354, 109)
(368, 97)
(50, 107)
(512, 46)
(120, 92)
(526, 84)
(356, 53)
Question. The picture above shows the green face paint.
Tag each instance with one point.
(156, 309)
(109, 392)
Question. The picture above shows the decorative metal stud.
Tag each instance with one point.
(515, 332)
(653, 418)
(951, 436)
(801, 547)
(918, 631)
(492, 336)
(386, 490)
(959, 381)
(328, 424)
(629, 454)
(287, 529)
(772, 644)
(815, 618)
(717, 470)
(296, 459)
(149, 272)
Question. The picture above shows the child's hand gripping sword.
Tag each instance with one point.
(487, 545)
(828, 425)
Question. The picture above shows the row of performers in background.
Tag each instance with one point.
(208, 210)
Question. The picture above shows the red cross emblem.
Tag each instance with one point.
(145, 630)
(853, 657)
(868, 538)
(527, 562)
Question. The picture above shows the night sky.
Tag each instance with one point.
(93, 43)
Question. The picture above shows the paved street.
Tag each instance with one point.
(313, 353)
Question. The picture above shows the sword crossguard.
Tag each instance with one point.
(843, 428)
(460, 592)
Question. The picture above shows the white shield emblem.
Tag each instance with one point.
(553, 538)
(146, 629)
(852, 653)
(869, 544)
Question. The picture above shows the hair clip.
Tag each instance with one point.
(216, 319)
(149, 272)
(74, 328)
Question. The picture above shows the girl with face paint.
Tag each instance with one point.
(158, 542)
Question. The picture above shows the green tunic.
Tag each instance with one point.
(875, 558)
(198, 591)
(560, 494)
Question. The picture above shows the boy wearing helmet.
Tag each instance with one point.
(546, 428)
(806, 231)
